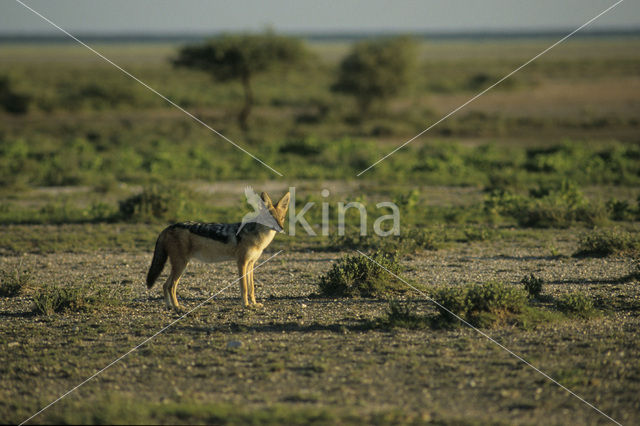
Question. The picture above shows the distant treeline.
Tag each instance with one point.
(344, 36)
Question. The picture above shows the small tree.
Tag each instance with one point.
(11, 101)
(377, 70)
(240, 57)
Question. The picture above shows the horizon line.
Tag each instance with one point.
(320, 35)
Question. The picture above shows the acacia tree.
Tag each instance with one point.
(377, 70)
(240, 57)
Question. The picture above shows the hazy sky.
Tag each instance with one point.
(146, 16)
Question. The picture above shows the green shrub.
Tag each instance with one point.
(533, 285)
(576, 304)
(357, 276)
(482, 80)
(601, 243)
(420, 237)
(303, 147)
(452, 301)
(481, 304)
(402, 316)
(408, 201)
(478, 233)
(620, 210)
(99, 211)
(54, 299)
(552, 205)
(10, 101)
(14, 281)
(97, 95)
(154, 203)
(495, 296)
(501, 202)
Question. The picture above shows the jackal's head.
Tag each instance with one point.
(279, 210)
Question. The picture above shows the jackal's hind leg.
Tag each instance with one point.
(177, 269)
(166, 292)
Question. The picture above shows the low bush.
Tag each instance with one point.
(155, 203)
(576, 304)
(482, 80)
(52, 299)
(55, 299)
(402, 316)
(420, 237)
(303, 147)
(478, 233)
(548, 206)
(602, 243)
(486, 305)
(620, 210)
(481, 304)
(11, 101)
(97, 95)
(533, 285)
(358, 276)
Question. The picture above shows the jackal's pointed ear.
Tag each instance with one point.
(283, 204)
(266, 199)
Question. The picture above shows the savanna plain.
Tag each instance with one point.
(518, 214)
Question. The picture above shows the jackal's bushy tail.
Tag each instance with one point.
(157, 264)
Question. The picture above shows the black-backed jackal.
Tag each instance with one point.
(217, 242)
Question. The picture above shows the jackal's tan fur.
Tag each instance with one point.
(214, 243)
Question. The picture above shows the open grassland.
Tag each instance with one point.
(90, 125)
(520, 214)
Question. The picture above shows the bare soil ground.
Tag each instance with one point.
(311, 359)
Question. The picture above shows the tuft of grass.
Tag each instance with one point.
(402, 316)
(533, 285)
(55, 299)
(576, 304)
(602, 243)
(357, 276)
(13, 282)
(52, 299)
(481, 304)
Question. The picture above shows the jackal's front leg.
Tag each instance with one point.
(252, 291)
(242, 271)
